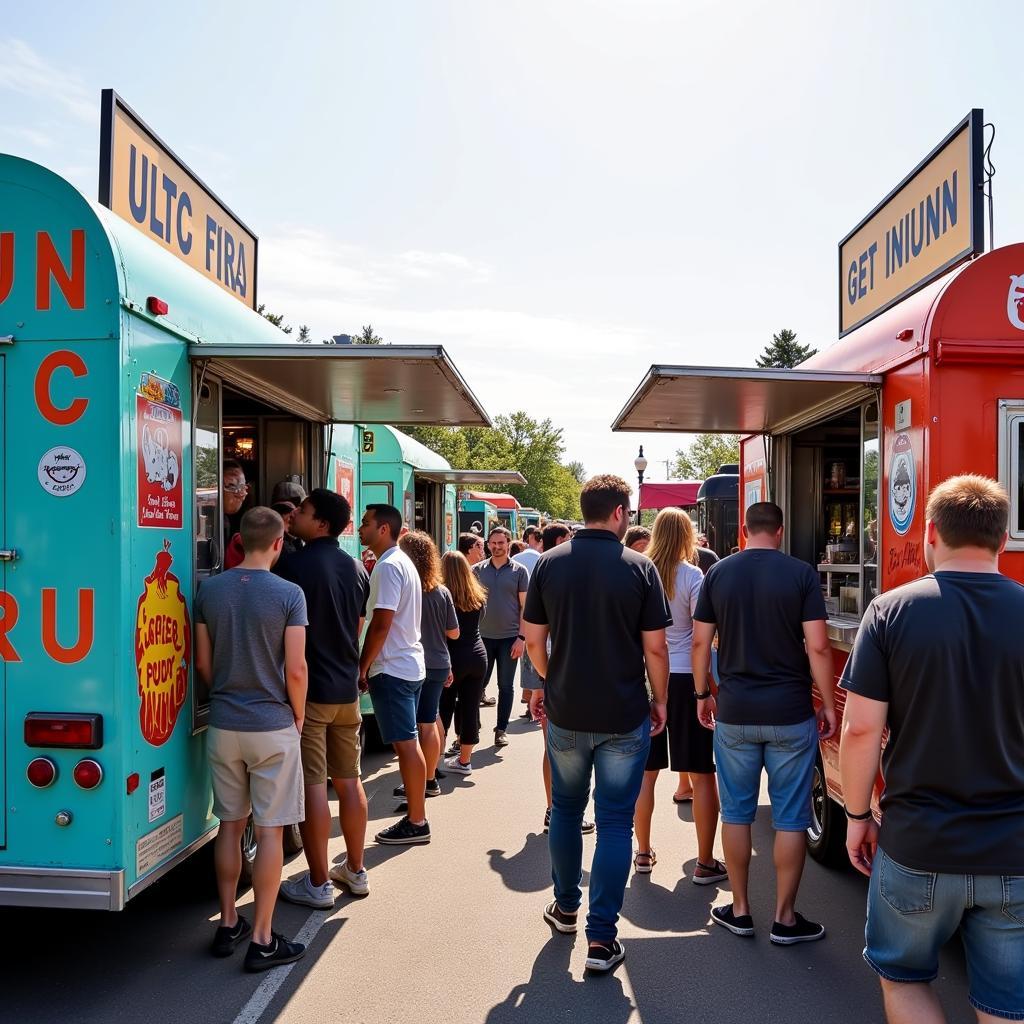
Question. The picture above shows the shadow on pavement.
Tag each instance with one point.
(529, 870)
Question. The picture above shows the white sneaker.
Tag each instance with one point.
(301, 890)
(453, 764)
(356, 882)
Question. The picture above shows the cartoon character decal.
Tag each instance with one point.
(163, 649)
(902, 485)
(1015, 301)
(159, 442)
(160, 459)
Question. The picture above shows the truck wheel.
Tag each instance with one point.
(826, 837)
(248, 853)
(292, 840)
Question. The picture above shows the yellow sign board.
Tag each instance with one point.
(142, 181)
(929, 223)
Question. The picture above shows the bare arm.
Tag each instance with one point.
(295, 671)
(537, 646)
(519, 648)
(204, 655)
(700, 655)
(819, 654)
(863, 725)
(453, 634)
(376, 634)
(656, 661)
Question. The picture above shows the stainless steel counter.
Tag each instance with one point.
(842, 629)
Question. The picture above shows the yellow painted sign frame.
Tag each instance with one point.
(145, 183)
(929, 223)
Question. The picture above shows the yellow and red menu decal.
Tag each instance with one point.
(163, 650)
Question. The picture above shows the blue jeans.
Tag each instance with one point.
(500, 652)
(912, 914)
(786, 752)
(394, 705)
(617, 762)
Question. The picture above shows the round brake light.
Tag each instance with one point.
(87, 773)
(41, 772)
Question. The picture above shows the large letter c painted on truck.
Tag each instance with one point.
(63, 416)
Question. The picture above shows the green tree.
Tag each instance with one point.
(304, 335)
(784, 352)
(704, 455)
(277, 319)
(578, 471)
(367, 337)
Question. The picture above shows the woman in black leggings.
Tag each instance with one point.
(461, 697)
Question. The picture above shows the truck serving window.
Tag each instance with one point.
(1011, 465)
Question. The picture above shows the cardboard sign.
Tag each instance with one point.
(159, 459)
(345, 485)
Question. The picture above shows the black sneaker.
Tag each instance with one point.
(433, 788)
(279, 951)
(560, 919)
(225, 939)
(802, 931)
(604, 956)
(404, 832)
(742, 925)
(585, 828)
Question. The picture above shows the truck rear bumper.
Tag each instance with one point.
(70, 888)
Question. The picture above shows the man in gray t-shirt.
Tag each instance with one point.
(251, 652)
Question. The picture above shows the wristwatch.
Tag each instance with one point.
(704, 695)
(858, 817)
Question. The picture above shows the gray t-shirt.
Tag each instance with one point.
(247, 612)
(501, 615)
(437, 617)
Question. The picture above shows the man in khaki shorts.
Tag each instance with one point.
(250, 652)
(336, 588)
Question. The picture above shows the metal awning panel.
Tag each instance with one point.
(471, 476)
(728, 400)
(398, 384)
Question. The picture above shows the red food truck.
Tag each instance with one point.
(850, 443)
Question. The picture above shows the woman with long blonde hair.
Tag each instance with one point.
(438, 624)
(461, 697)
(673, 550)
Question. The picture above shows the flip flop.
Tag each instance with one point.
(682, 799)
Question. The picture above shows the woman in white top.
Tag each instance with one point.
(673, 549)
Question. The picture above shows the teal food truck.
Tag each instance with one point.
(127, 379)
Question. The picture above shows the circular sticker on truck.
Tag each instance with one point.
(61, 471)
(902, 485)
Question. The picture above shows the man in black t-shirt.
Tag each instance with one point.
(770, 617)
(336, 588)
(940, 662)
(605, 610)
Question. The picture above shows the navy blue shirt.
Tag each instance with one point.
(336, 588)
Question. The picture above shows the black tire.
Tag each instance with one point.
(826, 838)
(292, 840)
(248, 854)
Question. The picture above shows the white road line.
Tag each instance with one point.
(260, 1000)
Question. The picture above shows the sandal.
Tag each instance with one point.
(716, 873)
(677, 799)
(650, 858)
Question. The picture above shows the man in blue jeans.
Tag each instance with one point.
(940, 661)
(605, 610)
(770, 617)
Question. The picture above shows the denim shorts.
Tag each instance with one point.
(394, 705)
(430, 695)
(528, 678)
(912, 914)
(786, 752)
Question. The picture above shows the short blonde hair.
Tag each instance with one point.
(970, 511)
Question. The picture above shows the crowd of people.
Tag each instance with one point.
(638, 650)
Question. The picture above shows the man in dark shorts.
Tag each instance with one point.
(605, 610)
(940, 663)
(250, 651)
(770, 617)
(336, 587)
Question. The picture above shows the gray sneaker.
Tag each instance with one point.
(500, 739)
(302, 890)
(355, 881)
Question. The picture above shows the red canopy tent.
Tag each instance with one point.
(682, 493)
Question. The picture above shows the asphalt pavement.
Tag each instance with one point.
(452, 932)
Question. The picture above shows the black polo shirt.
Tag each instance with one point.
(597, 598)
(336, 588)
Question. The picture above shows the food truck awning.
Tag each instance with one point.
(674, 495)
(471, 476)
(398, 384)
(727, 400)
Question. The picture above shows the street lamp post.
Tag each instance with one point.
(639, 464)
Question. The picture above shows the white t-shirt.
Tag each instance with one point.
(528, 558)
(689, 580)
(395, 586)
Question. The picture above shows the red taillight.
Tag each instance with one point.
(87, 773)
(41, 772)
(43, 729)
(132, 783)
(156, 306)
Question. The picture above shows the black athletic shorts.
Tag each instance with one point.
(692, 746)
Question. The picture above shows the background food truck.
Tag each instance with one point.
(491, 508)
(127, 378)
(851, 442)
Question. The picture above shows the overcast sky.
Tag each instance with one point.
(560, 192)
